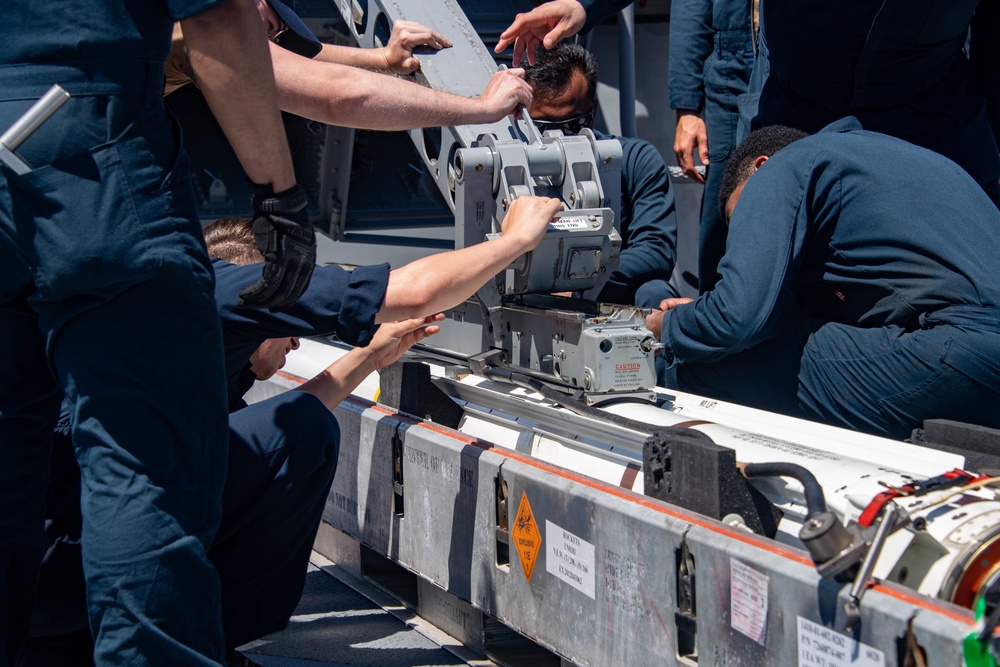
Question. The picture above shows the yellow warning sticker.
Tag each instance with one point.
(527, 539)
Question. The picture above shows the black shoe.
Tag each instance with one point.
(237, 659)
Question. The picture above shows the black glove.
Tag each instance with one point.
(285, 237)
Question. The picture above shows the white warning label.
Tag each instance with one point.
(567, 224)
(819, 646)
(748, 601)
(570, 558)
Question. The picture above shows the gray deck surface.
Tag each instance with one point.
(336, 626)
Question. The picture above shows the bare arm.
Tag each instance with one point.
(342, 95)
(389, 343)
(442, 281)
(229, 58)
(395, 57)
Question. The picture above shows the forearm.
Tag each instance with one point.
(369, 59)
(230, 63)
(341, 377)
(342, 95)
(439, 282)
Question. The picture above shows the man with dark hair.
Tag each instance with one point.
(858, 288)
(564, 84)
(767, 141)
(282, 451)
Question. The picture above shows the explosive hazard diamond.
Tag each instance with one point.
(527, 539)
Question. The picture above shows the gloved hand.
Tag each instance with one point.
(285, 237)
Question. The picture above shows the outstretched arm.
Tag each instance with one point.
(352, 97)
(442, 281)
(389, 343)
(396, 57)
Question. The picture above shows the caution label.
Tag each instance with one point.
(527, 540)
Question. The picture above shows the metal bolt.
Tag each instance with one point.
(595, 223)
(607, 159)
(572, 197)
(479, 167)
(503, 203)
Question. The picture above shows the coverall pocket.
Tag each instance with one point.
(963, 387)
(973, 365)
(77, 223)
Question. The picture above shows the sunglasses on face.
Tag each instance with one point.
(568, 126)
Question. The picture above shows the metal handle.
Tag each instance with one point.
(39, 112)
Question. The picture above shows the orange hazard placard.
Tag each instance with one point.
(527, 539)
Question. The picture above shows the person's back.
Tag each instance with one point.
(894, 230)
(857, 287)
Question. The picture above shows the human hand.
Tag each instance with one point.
(285, 237)
(654, 321)
(673, 302)
(546, 24)
(406, 36)
(502, 95)
(393, 339)
(528, 218)
(691, 134)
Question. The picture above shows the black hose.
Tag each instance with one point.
(815, 501)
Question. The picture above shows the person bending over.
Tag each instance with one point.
(858, 287)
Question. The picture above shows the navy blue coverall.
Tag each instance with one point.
(648, 224)
(859, 288)
(103, 275)
(282, 459)
(898, 66)
(711, 57)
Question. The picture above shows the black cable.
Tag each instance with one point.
(574, 405)
(815, 501)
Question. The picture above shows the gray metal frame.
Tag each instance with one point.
(436, 516)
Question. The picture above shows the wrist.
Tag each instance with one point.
(512, 244)
(384, 53)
